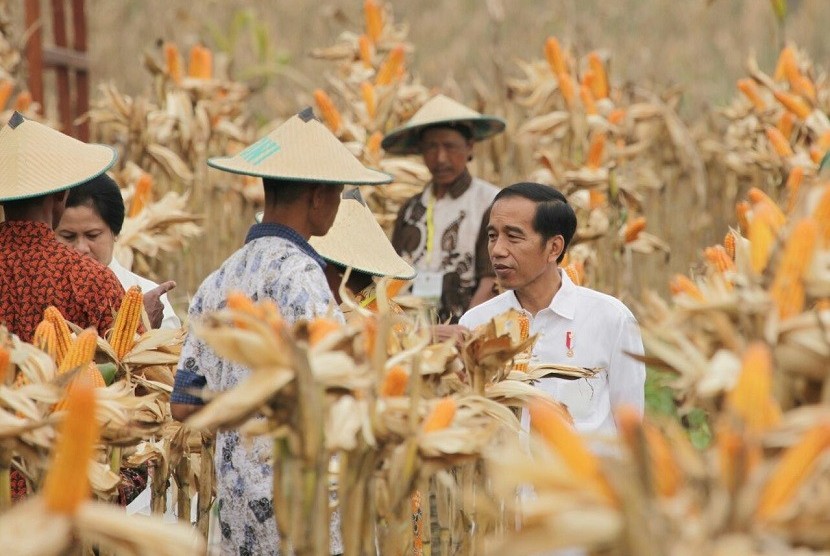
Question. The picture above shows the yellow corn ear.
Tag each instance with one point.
(616, 116)
(5, 363)
(395, 382)
(792, 470)
(729, 244)
(373, 144)
(6, 88)
(798, 251)
(81, 352)
(365, 50)
(587, 99)
(374, 19)
(201, 62)
(736, 457)
(46, 339)
(633, 228)
(681, 284)
(761, 239)
(718, 257)
(793, 104)
(391, 67)
(126, 322)
(787, 64)
(824, 142)
(556, 60)
(576, 272)
(596, 199)
(664, 471)
(751, 398)
(596, 149)
(802, 85)
(63, 337)
(319, 328)
(91, 375)
(779, 143)
(369, 99)
(764, 207)
(548, 421)
(793, 185)
(600, 89)
(742, 209)
(566, 86)
(750, 90)
(785, 124)
(789, 300)
(143, 194)
(173, 62)
(67, 484)
(821, 214)
(329, 112)
(441, 416)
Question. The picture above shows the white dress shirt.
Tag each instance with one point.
(585, 328)
(129, 279)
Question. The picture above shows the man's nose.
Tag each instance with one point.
(497, 249)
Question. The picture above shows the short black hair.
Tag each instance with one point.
(285, 192)
(103, 195)
(554, 216)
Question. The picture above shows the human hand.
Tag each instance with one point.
(153, 304)
(444, 332)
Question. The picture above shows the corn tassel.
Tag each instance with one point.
(792, 470)
(548, 421)
(596, 150)
(785, 124)
(718, 257)
(779, 143)
(566, 86)
(320, 328)
(601, 88)
(23, 101)
(374, 20)
(126, 322)
(786, 65)
(63, 338)
(587, 100)
(633, 228)
(729, 244)
(67, 484)
(143, 194)
(441, 416)
(793, 104)
(389, 69)
(365, 50)
(329, 112)
(395, 382)
(556, 60)
(6, 88)
(81, 352)
(751, 398)
(681, 284)
(793, 185)
(173, 62)
(369, 99)
(751, 92)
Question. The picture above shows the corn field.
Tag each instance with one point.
(716, 233)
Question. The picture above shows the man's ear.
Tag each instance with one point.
(556, 246)
(315, 195)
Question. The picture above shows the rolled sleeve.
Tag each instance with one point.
(187, 382)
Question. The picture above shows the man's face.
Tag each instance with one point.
(518, 255)
(445, 153)
(325, 202)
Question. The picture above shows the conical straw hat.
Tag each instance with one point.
(37, 160)
(301, 149)
(357, 240)
(440, 110)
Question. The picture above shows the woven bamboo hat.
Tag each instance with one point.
(36, 160)
(301, 149)
(440, 111)
(357, 240)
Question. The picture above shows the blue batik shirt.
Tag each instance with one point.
(276, 263)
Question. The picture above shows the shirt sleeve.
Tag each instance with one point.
(190, 378)
(484, 268)
(626, 375)
(170, 319)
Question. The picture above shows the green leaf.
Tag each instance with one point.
(108, 371)
(780, 9)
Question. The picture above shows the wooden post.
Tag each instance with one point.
(81, 74)
(62, 71)
(34, 50)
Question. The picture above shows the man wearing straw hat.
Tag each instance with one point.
(440, 229)
(303, 168)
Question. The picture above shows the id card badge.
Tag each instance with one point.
(428, 284)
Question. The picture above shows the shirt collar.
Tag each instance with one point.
(564, 300)
(459, 186)
(270, 229)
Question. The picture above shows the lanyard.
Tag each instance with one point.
(430, 226)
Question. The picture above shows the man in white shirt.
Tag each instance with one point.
(528, 233)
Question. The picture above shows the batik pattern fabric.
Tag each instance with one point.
(459, 242)
(276, 264)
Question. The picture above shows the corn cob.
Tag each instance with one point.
(633, 228)
(23, 101)
(67, 484)
(751, 398)
(750, 91)
(681, 284)
(238, 301)
(5, 360)
(201, 62)
(62, 335)
(553, 53)
(786, 65)
(779, 143)
(792, 470)
(785, 124)
(761, 239)
(793, 104)
(789, 299)
(369, 99)
(373, 143)
(395, 381)
(547, 420)
(173, 62)
(719, 258)
(392, 289)
(46, 339)
(441, 416)
(329, 112)
(91, 375)
(799, 250)
(566, 86)
(616, 116)
(802, 85)
(824, 142)
(143, 194)
(6, 88)
(742, 209)
(364, 48)
(736, 458)
(596, 199)
(793, 185)
(821, 214)
(390, 67)
(601, 88)
(587, 100)
(596, 150)
(765, 207)
(664, 472)
(729, 241)
(126, 322)
(816, 155)
(81, 352)
(374, 20)
(320, 328)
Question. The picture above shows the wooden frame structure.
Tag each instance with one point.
(70, 62)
